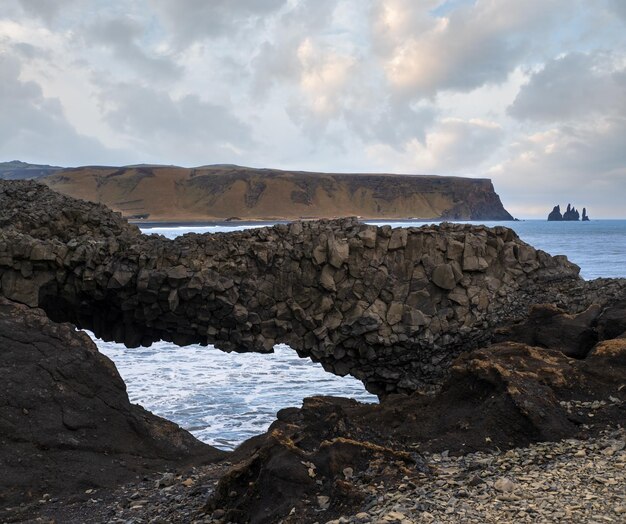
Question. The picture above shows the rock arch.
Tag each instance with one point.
(392, 307)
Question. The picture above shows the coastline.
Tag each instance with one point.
(514, 350)
(162, 223)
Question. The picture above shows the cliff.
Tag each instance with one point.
(221, 192)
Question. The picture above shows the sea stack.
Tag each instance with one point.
(555, 215)
(570, 214)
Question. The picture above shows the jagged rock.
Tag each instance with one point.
(323, 287)
(555, 214)
(66, 423)
(585, 216)
(503, 396)
(571, 213)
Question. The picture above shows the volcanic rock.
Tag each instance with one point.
(503, 396)
(555, 214)
(332, 290)
(66, 424)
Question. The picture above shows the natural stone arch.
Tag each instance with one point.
(392, 307)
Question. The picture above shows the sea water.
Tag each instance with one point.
(225, 398)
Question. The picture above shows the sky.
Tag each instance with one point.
(531, 93)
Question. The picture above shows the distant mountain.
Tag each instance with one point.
(224, 191)
(17, 170)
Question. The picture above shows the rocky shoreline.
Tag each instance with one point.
(565, 481)
(525, 366)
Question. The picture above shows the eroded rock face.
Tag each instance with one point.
(66, 423)
(503, 396)
(391, 307)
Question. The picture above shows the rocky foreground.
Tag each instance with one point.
(524, 419)
(569, 481)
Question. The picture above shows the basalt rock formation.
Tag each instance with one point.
(555, 215)
(66, 423)
(503, 396)
(391, 307)
(570, 214)
(221, 192)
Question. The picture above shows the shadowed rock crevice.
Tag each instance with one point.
(392, 307)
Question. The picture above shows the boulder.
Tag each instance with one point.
(550, 327)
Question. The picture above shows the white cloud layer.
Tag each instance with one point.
(532, 93)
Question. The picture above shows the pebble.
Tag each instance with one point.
(567, 481)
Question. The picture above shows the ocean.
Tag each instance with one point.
(225, 398)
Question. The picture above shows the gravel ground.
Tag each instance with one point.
(571, 481)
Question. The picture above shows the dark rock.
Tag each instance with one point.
(571, 214)
(549, 327)
(555, 214)
(503, 396)
(585, 216)
(66, 423)
(323, 287)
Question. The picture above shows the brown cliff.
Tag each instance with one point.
(220, 192)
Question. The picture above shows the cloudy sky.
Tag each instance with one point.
(531, 93)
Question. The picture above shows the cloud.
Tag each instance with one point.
(294, 35)
(451, 146)
(123, 37)
(31, 52)
(619, 8)
(33, 127)
(192, 20)
(574, 86)
(184, 129)
(583, 163)
(45, 10)
(473, 45)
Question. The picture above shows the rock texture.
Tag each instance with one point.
(66, 424)
(500, 397)
(392, 307)
(223, 191)
(555, 215)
